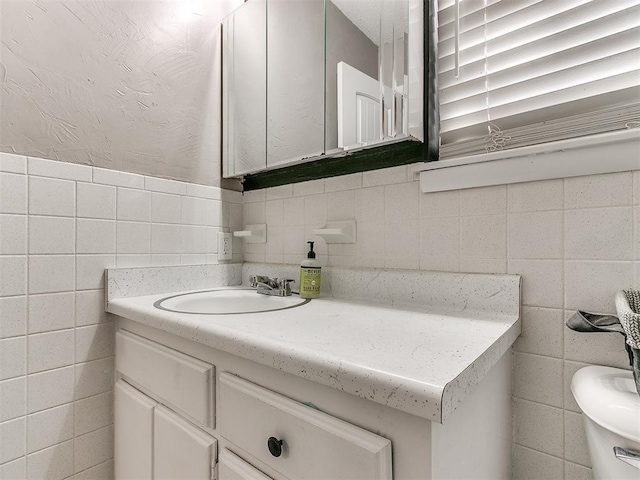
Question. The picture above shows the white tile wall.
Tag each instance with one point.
(14, 469)
(60, 226)
(96, 201)
(12, 398)
(51, 196)
(14, 241)
(55, 463)
(13, 279)
(13, 193)
(575, 241)
(52, 235)
(52, 311)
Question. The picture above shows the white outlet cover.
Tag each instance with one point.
(224, 246)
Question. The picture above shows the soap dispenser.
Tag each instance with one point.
(310, 275)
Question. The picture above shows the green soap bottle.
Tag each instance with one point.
(310, 275)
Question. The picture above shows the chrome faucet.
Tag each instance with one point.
(271, 286)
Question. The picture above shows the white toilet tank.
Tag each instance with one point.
(611, 407)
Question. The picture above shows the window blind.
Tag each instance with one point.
(513, 73)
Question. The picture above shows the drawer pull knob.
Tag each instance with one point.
(275, 446)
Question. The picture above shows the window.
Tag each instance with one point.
(514, 73)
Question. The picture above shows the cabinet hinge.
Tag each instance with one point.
(214, 470)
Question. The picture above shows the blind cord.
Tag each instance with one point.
(457, 39)
(496, 139)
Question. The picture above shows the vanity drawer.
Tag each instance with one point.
(232, 467)
(315, 445)
(183, 382)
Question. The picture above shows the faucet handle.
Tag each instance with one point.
(254, 280)
(283, 285)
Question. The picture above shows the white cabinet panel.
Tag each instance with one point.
(186, 383)
(244, 89)
(295, 80)
(133, 433)
(314, 445)
(181, 451)
(232, 467)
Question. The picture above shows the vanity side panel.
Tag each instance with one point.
(460, 444)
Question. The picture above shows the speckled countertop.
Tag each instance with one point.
(423, 361)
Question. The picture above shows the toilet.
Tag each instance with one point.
(611, 407)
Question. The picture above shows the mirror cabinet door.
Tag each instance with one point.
(295, 80)
(244, 89)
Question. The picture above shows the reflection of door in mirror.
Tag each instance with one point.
(358, 107)
(295, 80)
(244, 89)
(366, 84)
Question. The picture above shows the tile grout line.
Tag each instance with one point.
(27, 302)
(512, 348)
(540, 451)
(95, 466)
(564, 301)
(75, 284)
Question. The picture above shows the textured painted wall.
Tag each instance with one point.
(127, 85)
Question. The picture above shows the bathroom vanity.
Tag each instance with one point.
(336, 388)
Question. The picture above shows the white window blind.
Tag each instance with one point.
(513, 73)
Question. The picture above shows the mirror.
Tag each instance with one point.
(308, 80)
(366, 42)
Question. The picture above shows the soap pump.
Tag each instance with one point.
(310, 275)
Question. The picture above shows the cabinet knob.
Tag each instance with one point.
(275, 446)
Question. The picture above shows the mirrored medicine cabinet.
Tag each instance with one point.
(316, 88)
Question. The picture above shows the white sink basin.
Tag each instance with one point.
(227, 301)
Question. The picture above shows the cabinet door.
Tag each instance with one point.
(232, 467)
(133, 433)
(180, 381)
(244, 89)
(295, 80)
(181, 451)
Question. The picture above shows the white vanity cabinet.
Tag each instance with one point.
(336, 389)
(168, 431)
(185, 410)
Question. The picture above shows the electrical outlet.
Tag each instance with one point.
(224, 246)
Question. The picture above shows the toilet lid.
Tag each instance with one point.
(608, 396)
